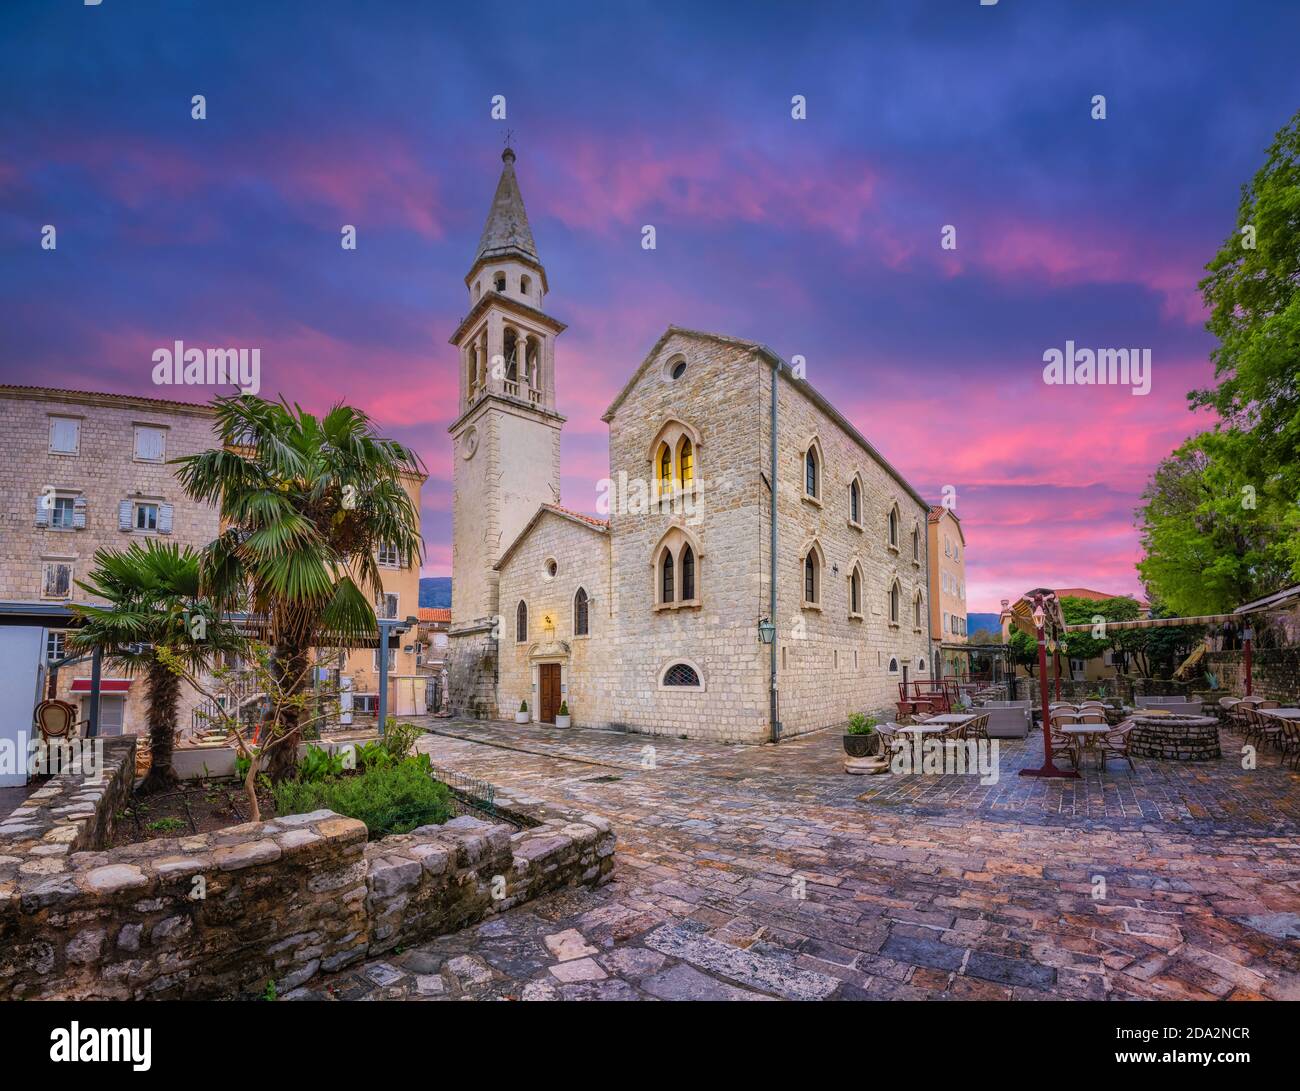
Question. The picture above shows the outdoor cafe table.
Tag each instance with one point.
(1088, 733)
(1285, 713)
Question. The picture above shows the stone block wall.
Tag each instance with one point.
(1176, 738)
(221, 914)
(1275, 673)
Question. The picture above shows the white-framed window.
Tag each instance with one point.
(388, 556)
(62, 512)
(56, 579)
(681, 674)
(65, 435)
(392, 658)
(150, 443)
(145, 516)
(55, 645)
(386, 605)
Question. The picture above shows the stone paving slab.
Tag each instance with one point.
(764, 872)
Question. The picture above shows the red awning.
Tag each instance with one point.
(106, 685)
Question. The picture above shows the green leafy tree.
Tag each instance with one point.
(305, 503)
(1023, 650)
(1221, 522)
(152, 612)
(1079, 611)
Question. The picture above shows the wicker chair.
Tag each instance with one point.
(1290, 743)
(1267, 729)
(1114, 744)
(977, 728)
(1060, 741)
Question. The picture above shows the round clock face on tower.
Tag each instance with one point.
(469, 443)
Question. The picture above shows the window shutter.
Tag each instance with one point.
(43, 507)
(164, 518)
(79, 513)
(124, 515)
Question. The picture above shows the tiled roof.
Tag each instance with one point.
(101, 395)
(602, 523)
(936, 513)
(433, 613)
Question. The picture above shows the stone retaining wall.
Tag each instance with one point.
(221, 914)
(1175, 738)
(1275, 672)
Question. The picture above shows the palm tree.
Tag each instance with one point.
(305, 503)
(152, 600)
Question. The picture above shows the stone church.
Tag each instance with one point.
(664, 618)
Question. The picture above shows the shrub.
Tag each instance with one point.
(318, 764)
(399, 739)
(389, 799)
(373, 755)
(860, 724)
(564, 708)
(523, 706)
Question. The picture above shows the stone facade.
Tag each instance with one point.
(1275, 673)
(221, 914)
(689, 461)
(99, 479)
(832, 660)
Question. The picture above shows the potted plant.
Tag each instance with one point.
(521, 717)
(562, 718)
(860, 738)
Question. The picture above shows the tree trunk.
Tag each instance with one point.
(289, 664)
(163, 696)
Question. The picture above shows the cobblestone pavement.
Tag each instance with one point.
(765, 872)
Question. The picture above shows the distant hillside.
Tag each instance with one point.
(435, 591)
(976, 622)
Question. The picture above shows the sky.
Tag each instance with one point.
(821, 236)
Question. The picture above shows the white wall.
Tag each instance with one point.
(21, 648)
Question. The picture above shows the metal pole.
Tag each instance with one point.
(1249, 681)
(96, 661)
(1049, 768)
(1056, 655)
(774, 724)
(383, 676)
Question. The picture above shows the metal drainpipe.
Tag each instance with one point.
(96, 662)
(771, 579)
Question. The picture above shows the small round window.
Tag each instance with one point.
(677, 369)
(551, 568)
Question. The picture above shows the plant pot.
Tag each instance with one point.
(522, 717)
(563, 721)
(861, 746)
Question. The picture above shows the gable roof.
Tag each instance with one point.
(599, 526)
(433, 613)
(783, 369)
(937, 512)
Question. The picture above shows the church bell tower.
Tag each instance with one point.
(506, 436)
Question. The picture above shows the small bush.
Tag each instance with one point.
(389, 799)
(860, 724)
(319, 763)
(399, 739)
(564, 708)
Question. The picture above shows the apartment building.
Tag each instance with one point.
(947, 555)
(87, 471)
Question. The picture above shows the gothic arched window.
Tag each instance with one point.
(686, 462)
(855, 503)
(665, 469)
(521, 622)
(580, 613)
(855, 591)
(688, 574)
(666, 578)
(810, 469)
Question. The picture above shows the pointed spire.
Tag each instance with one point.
(506, 232)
